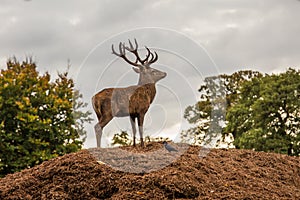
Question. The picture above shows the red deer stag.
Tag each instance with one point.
(132, 101)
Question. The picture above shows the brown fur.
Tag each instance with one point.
(133, 101)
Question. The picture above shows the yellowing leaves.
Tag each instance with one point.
(24, 103)
(36, 118)
(26, 117)
(5, 85)
(20, 105)
(26, 100)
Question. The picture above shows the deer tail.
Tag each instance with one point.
(96, 107)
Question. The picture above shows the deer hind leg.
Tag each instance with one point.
(103, 121)
(132, 121)
(98, 132)
(141, 131)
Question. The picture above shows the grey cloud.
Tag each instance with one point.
(258, 34)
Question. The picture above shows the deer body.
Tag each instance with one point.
(121, 102)
(133, 101)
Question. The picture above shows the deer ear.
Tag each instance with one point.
(137, 70)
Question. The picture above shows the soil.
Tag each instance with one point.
(155, 173)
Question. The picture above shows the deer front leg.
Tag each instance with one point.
(141, 131)
(132, 121)
(98, 132)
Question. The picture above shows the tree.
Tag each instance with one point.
(266, 117)
(81, 117)
(121, 139)
(38, 120)
(214, 91)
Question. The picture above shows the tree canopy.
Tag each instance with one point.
(267, 114)
(262, 111)
(222, 90)
(39, 119)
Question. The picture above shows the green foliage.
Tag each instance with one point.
(267, 114)
(37, 119)
(79, 115)
(156, 139)
(211, 108)
(262, 111)
(121, 139)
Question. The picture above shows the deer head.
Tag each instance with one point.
(141, 66)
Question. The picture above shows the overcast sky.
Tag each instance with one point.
(194, 39)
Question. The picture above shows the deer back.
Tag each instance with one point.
(120, 102)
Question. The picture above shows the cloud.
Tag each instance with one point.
(236, 34)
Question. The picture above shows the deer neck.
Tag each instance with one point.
(144, 82)
(149, 86)
(150, 90)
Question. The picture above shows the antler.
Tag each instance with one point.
(142, 62)
(153, 57)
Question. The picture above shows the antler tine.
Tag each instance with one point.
(121, 48)
(150, 57)
(122, 54)
(134, 51)
(147, 57)
(153, 59)
(113, 51)
(131, 46)
(148, 54)
(136, 44)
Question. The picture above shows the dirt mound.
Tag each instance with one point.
(222, 174)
